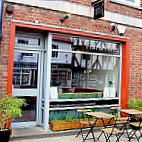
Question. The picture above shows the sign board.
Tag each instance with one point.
(98, 9)
(109, 92)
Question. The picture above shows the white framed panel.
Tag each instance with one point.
(132, 3)
(29, 51)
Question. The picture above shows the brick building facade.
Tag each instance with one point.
(38, 15)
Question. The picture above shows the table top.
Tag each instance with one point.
(131, 111)
(100, 115)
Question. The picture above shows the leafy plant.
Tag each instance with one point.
(75, 119)
(55, 120)
(10, 107)
(115, 114)
(135, 104)
(85, 116)
(68, 119)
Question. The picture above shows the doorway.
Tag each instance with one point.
(27, 78)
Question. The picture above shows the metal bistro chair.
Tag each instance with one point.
(83, 122)
(136, 127)
(112, 130)
(123, 121)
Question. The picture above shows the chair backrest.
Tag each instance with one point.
(115, 108)
(139, 117)
(81, 111)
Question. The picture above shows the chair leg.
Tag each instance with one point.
(133, 134)
(128, 133)
(77, 134)
(93, 135)
(99, 136)
(118, 137)
(136, 137)
(80, 132)
(107, 137)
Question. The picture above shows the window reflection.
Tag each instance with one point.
(25, 70)
(79, 72)
(28, 111)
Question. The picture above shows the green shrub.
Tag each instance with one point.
(75, 119)
(135, 104)
(55, 120)
(68, 119)
(10, 107)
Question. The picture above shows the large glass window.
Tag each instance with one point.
(86, 68)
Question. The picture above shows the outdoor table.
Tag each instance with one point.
(101, 116)
(132, 113)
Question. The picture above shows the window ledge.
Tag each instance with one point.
(127, 4)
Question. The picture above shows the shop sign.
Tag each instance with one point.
(98, 9)
(99, 46)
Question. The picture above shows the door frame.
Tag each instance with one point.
(37, 50)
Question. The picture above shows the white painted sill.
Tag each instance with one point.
(127, 4)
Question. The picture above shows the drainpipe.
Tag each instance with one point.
(1, 11)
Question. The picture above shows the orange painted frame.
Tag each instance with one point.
(125, 54)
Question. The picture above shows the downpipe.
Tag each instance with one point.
(1, 11)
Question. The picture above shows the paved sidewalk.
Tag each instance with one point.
(71, 138)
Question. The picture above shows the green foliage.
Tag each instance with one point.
(55, 120)
(75, 119)
(115, 114)
(135, 104)
(85, 116)
(93, 110)
(10, 107)
(68, 119)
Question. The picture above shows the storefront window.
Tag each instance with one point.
(85, 66)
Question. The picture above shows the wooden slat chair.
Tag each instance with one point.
(82, 123)
(121, 121)
(115, 109)
(111, 131)
(136, 127)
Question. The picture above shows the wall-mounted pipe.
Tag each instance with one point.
(1, 11)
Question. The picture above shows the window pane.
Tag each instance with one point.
(27, 41)
(85, 45)
(84, 73)
(133, 1)
(25, 70)
(29, 111)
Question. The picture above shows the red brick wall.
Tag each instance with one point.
(30, 14)
(114, 7)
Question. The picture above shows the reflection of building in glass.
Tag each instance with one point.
(76, 66)
(25, 70)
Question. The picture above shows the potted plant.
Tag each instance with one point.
(135, 104)
(10, 107)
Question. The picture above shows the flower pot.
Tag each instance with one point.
(4, 135)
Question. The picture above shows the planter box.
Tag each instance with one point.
(61, 125)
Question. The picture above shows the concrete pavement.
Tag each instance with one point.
(65, 137)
